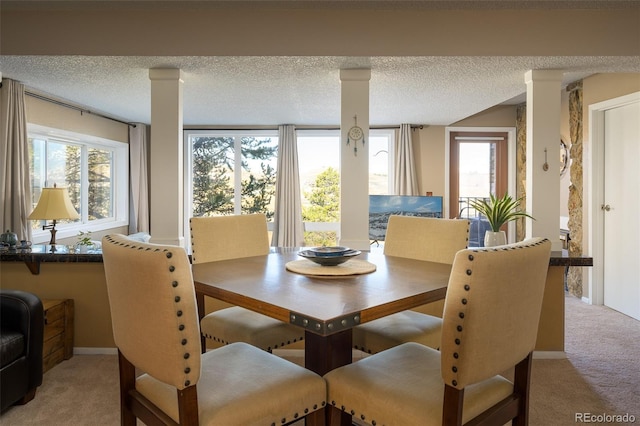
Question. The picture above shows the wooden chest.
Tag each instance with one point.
(58, 332)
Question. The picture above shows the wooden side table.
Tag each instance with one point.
(58, 332)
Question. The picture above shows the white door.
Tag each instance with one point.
(622, 209)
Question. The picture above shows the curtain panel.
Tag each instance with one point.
(405, 180)
(288, 230)
(139, 178)
(15, 188)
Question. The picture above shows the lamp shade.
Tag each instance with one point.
(54, 204)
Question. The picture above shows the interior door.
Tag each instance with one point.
(621, 207)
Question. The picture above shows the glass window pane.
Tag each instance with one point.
(212, 161)
(319, 163)
(259, 164)
(100, 204)
(378, 165)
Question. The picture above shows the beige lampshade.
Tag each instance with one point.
(54, 204)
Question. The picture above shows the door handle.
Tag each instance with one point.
(605, 207)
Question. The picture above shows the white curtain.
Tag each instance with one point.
(15, 188)
(288, 230)
(405, 180)
(138, 160)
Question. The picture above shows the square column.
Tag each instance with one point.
(354, 159)
(543, 161)
(167, 177)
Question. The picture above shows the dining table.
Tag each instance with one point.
(327, 302)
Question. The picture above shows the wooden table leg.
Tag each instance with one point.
(321, 355)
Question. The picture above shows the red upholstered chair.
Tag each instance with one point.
(490, 325)
(430, 239)
(155, 327)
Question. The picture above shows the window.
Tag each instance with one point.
(319, 164)
(94, 170)
(230, 172)
(381, 149)
(215, 185)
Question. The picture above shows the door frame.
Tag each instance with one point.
(511, 159)
(594, 171)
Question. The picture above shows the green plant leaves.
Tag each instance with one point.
(499, 211)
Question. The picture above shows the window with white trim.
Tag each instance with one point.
(94, 170)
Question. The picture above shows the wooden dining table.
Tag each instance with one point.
(327, 307)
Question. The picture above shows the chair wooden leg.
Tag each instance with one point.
(452, 406)
(522, 378)
(127, 383)
(188, 406)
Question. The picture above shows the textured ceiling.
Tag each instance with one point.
(297, 90)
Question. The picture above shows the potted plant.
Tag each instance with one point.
(498, 211)
(84, 241)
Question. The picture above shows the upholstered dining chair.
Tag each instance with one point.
(490, 325)
(231, 237)
(155, 328)
(430, 239)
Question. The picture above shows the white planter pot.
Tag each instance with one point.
(492, 239)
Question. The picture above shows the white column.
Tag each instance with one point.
(354, 166)
(543, 168)
(167, 201)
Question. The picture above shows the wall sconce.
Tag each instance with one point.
(54, 204)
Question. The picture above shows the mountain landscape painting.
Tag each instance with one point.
(383, 206)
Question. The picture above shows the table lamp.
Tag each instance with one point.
(54, 204)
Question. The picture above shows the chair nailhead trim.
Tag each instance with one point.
(454, 369)
(177, 299)
(455, 355)
(187, 370)
(169, 255)
(187, 383)
(471, 257)
(179, 313)
(186, 356)
(468, 271)
(184, 342)
(459, 328)
(174, 284)
(461, 314)
(181, 327)
(467, 287)
(464, 301)
(457, 341)
(172, 268)
(454, 383)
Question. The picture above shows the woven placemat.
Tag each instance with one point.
(350, 267)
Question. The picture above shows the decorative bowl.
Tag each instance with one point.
(329, 251)
(329, 260)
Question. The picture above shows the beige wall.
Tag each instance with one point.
(429, 145)
(59, 117)
(83, 282)
(203, 29)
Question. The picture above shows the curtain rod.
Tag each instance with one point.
(240, 128)
(75, 107)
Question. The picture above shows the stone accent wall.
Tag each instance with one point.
(574, 279)
(521, 165)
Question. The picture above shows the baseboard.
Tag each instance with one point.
(95, 351)
(549, 355)
(587, 300)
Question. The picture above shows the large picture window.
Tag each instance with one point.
(231, 172)
(94, 171)
(234, 172)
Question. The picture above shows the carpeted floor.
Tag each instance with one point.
(601, 376)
